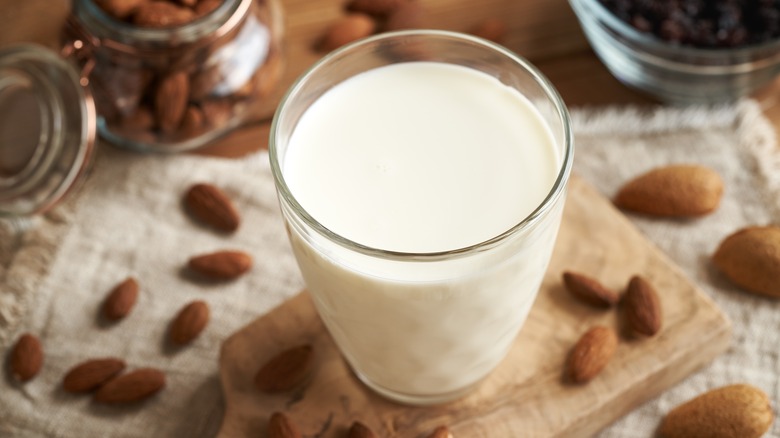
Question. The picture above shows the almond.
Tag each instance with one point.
(751, 258)
(410, 15)
(491, 29)
(139, 120)
(286, 370)
(212, 206)
(735, 411)
(589, 290)
(591, 354)
(205, 7)
(441, 432)
(89, 375)
(347, 29)
(189, 323)
(26, 357)
(120, 300)
(379, 8)
(642, 307)
(360, 430)
(673, 191)
(162, 14)
(119, 9)
(280, 426)
(221, 265)
(170, 101)
(131, 387)
(193, 122)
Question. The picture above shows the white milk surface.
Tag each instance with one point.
(422, 157)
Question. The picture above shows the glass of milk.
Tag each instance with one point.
(422, 176)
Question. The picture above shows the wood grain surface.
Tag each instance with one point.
(527, 392)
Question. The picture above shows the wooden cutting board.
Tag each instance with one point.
(526, 396)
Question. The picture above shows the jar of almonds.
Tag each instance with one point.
(172, 75)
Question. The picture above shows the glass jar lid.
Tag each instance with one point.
(47, 129)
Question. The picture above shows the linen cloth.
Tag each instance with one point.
(128, 220)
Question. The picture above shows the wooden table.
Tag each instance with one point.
(544, 31)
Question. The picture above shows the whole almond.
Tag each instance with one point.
(193, 122)
(349, 28)
(441, 432)
(589, 290)
(591, 354)
(90, 374)
(221, 265)
(189, 323)
(280, 426)
(120, 300)
(131, 387)
(119, 9)
(751, 258)
(26, 357)
(360, 430)
(673, 191)
(212, 206)
(162, 14)
(492, 29)
(409, 15)
(642, 307)
(379, 8)
(170, 101)
(205, 7)
(735, 411)
(286, 370)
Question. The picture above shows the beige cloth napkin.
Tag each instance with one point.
(128, 221)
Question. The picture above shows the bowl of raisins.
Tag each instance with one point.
(686, 51)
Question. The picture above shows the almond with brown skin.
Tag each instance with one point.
(170, 101)
(189, 323)
(26, 357)
(120, 300)
(280, 426)
(441, 432)
(492, 29)
(205, 7)
(751, 258)
(221, 265)
(131, 387)
(589, 290)
(159, 14)
(591, 354)
(89, 375)
(212, 206)
(673, 191)
(360, 430)
(734, 411)
(119, 9)
(409, 15)
(192, 123)
(642, 307)
(286, 370)
(347, 29)
(378, 8)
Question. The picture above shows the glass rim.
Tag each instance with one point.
(528, 221)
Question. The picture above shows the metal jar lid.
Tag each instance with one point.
(47, 129)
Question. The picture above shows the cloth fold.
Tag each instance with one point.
(128, 220)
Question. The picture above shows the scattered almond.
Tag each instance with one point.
(591, 354)
(170, 101)
(642, 307)
(360, 430)
(120, 300)
(735, 411)
(119, 9)
(162, 14)
(441, 432)
(409, 15)
(26, 357)
(286, 370)
(347, 29)
(589, 290)
(189, 323)
(211, 205)
(280, 426)
(89, 375)
(673, 191)
(751, 258)
(221, 265)
(379, 8)
(131, 387)
(492, 29)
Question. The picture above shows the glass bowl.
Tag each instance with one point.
(670, 72)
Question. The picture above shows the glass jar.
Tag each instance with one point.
(177, 88)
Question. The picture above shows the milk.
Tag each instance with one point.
(422, 157)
